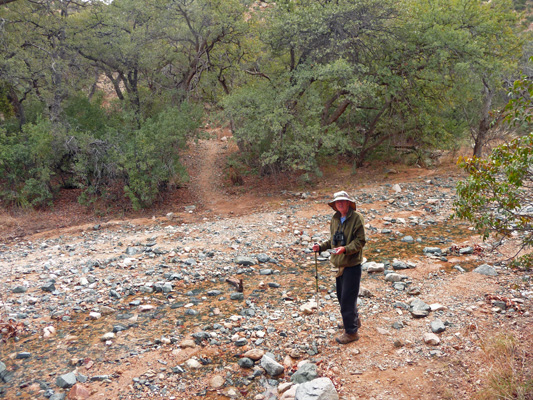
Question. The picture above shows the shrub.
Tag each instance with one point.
(496, 196)
(149, 158)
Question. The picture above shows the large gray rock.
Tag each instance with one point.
(305, 373)
(486, 269)
(245, 261)
(419, 309)
(372, 267)
(271, 366)
(317, 389)
(408, 239)
(437, 326)
(432, 250)
(131, 251)
(263, 258)
(393, 277)
(397, 265)
(66, 380)
(48, 287)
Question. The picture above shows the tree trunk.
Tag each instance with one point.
(18, 108)
(480, 137)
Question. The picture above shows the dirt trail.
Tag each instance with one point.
(206, 165)
(206, 179)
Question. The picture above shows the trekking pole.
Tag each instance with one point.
(316, 294)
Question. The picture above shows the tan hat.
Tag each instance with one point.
(341, 196)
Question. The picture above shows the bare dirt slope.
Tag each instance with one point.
(186, 343)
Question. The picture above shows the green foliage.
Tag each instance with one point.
(100, 150)
(496, 196)
(149, 160)
(27, 164)
(518, 110)
(84, 115)
(6, 109)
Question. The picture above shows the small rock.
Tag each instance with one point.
(78, 392)
(486, 269)
(187, 343)
(66, 380)
(245, 362)
(408, 239)
(382, 331)
(321, 388)
(432, 250)
(216, 382)
(192, 363)
(247, 261)
(254, 354)
(393, 277)
(466, 250)
(107, 336)
(431, 338)
(305, 373)
(372, 267)
(308, 308)
(399, 265)
(437, 326)
(48, 287)
(271, 366)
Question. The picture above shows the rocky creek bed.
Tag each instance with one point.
(124, 310)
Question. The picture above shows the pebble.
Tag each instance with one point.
(437, 326)
(272, 367)
(66, 380)
(486, 269)
(431, 339)
(307, 372)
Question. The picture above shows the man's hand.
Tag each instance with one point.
(340, 250)
(316, 248)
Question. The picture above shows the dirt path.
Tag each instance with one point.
(209, 180)
(207, 174)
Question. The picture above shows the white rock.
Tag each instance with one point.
(437, 306)
(192, 363)
(129, 261)
(289, 394)
(308, 307)
(431, 338)
(95, 315)
(383, 331)
(49, 331)
(320, 388)
(107, 336)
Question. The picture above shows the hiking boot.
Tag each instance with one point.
(346, 338)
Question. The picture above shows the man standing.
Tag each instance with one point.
(348, 238)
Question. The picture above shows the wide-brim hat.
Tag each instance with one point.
(341, 196)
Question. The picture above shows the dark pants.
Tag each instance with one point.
(347, 292)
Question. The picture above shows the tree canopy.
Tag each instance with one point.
(83, 85)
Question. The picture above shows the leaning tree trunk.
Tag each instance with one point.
(480, 137)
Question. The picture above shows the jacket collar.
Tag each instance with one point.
(350, 213)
